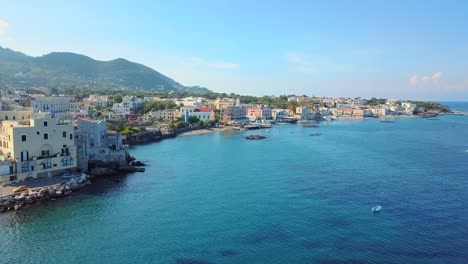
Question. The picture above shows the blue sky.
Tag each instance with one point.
(397, 49)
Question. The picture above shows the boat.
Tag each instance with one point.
(315, 133)
(376, 209)
(387, 121)
(267, 130)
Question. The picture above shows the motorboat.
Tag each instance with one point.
(315, 133)
(376, 209)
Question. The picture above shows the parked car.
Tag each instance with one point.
(22, 188)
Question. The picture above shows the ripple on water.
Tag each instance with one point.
(192, 261)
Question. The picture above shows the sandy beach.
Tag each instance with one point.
(205, 131)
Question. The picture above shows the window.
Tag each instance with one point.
(38, 132)
(45, 123)
(23, 137)
(25, 167)
(24, 155)
(71, 136)
(67, 161)
(46, 136)
(14, 117)
(6, 117)
(45, 152)
(64, 134)
(46, 164)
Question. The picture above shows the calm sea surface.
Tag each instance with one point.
(292, 198)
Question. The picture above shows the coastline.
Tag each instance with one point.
(204, 131)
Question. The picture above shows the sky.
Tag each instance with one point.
(392, 49)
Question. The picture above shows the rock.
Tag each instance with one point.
(255, 137)
(28, 200)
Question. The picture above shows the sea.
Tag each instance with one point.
(291, 198)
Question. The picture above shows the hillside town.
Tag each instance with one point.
(44, 135)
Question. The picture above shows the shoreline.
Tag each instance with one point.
(205, 131)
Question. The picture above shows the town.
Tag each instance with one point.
(44, 135)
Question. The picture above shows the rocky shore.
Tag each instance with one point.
(18, 200)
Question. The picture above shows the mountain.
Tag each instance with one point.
(66, 69)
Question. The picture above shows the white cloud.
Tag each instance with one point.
(3, 26)
(436, 77)
(423, 81)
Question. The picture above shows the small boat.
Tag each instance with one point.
(315, 134)
(376, 209)
(267, 130)
(387, 121)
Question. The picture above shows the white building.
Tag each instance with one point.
(94, 144)
(129, 105)
(202, 114)
(57, 106)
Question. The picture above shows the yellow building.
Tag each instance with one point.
(36, 148)
(222, 104)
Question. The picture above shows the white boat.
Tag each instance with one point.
(376, 209)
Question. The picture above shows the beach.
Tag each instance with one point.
(205, 131)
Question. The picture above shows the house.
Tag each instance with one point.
(36, 148)
(93, 143)
(201, 113)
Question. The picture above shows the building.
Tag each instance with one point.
(359, 113)
(168, 114)
(279, 114)
(190, 101)
(97, 101)
(129, 105)
(94, 144)
(259, 112)
(224, 103)
(379, 111)
(200, 113)
(36, 148)
(57, 106)
(302, 113)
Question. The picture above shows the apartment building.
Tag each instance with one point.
(36, 148)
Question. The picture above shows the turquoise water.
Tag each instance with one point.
(291, 198)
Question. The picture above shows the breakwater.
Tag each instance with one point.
(18, 200)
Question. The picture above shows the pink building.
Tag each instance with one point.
(259, 112)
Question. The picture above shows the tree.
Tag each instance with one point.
(118, 98)
(200, 123)
(193, 119)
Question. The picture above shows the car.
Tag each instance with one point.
(20, 189)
